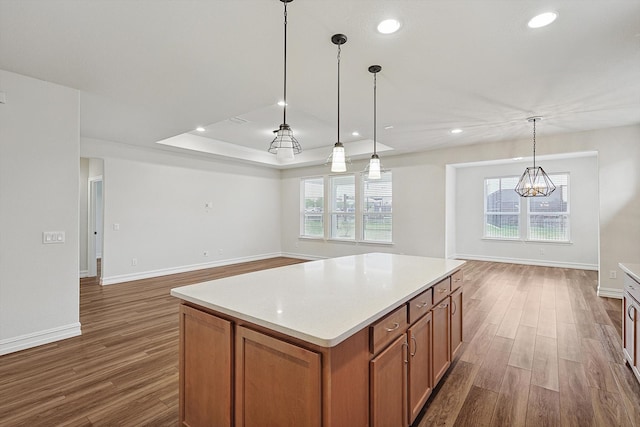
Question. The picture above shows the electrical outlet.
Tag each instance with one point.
(116, 227)
(134, 261)
(612, 274)
(205, 253)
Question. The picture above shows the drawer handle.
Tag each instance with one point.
(454, 307)
(629, 312)
(415, 346)
(457, 280)
(395, 326)
(442, 290)
(445, 305)
(422, 305)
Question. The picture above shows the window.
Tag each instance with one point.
(377, 209)
(501, 208)
(312, 221)
(545, 218)
(548, 217)
(343, 207)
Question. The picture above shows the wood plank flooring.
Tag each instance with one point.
(540, 349)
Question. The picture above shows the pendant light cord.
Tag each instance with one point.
(284, 114)
(375, 85)
(534, 144)
(338, 140)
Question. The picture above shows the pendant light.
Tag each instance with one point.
(534, 182)
(374, 163)
(284, 145)
(338, 159)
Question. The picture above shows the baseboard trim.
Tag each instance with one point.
(84, 273)
(112, 280)
(609, 292)
(541, 263)
(34, 339)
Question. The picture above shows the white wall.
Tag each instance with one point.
(158, 201)
(419, 197)
(582, 252)
(39, 176)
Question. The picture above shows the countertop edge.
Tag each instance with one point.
(631, 269)
(326, 342)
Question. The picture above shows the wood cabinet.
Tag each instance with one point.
(441, 355)
(388, 387)
(277, 383)
(206, 369)
(236, 373)
(456, 321)
(420, 377)
(631, 325)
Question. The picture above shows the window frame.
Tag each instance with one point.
(333, 213)
(363, 212)
(517, 213)
(524, 214)
(304, 214)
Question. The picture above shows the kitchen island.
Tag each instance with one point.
(352, 341)
(631, 317)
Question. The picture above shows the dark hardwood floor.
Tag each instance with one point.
(540, 349)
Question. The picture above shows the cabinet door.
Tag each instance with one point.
(205, 369)
(456, 321)
(441, 340)
(628, 333)
(388, 386)
(277, 383)
(420, 377)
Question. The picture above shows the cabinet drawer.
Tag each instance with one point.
(456, 280)
(631, 286)
(387, 329)
(420, 305)
(441, 290)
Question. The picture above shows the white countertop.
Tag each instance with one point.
(321, 302)
(632, 270)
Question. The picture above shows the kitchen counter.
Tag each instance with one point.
(632, 270)
(321, 302)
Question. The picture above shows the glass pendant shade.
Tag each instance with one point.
(284, 145)
(535, 182)
(374, 167)
(338, 161)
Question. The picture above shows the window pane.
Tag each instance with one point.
(549, 227)
(377, 201)
(505, 226)
(343, 207)
(343, 226)
(312, 207)
(502, 208)
(313, 225)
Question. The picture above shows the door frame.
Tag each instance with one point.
(92, 262)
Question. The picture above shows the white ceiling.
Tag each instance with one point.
(149, 70)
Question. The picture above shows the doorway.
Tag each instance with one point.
(96, 228)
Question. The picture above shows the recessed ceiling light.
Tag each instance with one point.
(281, 103)
(389, 26)
(388, 127)
(355, 133)
(456, 130)
(200, 129)
(542, 20)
